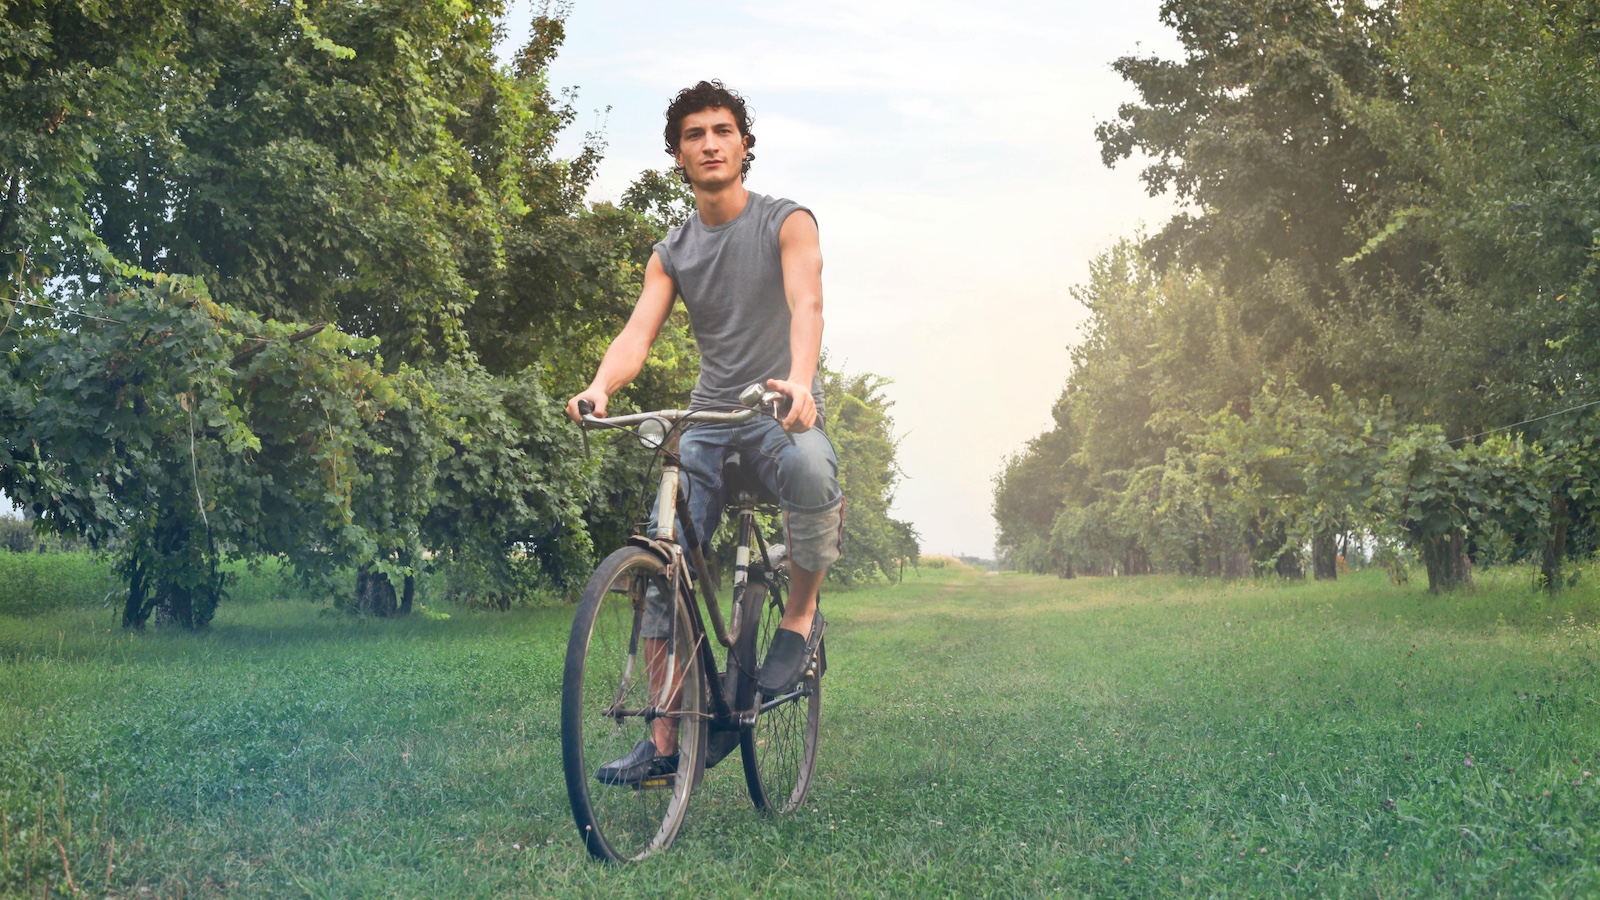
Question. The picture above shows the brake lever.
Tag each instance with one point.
(585, 409)
(779, 419)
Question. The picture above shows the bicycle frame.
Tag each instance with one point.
(663, 540)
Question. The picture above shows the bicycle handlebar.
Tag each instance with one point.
(752, 397)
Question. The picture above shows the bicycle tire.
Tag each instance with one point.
(619, 823)
(780, 749)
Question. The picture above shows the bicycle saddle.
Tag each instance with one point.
(737, 477)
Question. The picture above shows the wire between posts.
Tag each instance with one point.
(1559, 412)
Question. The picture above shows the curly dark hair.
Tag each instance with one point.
(711, 94)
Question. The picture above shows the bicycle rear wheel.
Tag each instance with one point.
(780, 749)
(608, 700)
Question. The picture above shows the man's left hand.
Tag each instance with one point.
(802, 414)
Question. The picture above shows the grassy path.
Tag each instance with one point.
(1002, 735)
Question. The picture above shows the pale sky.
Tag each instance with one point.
(948, 151)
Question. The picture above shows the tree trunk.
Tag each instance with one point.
(374, 593)
(1447, 562)
(1555, 547)
(1325, 555)
(174, 606)
(9, 214)
(1288, 565)
(133, 612)
(1238, 563)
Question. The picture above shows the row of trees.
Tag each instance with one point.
(304, 280)
(1373, 314)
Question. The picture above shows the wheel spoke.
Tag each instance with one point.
(779, 750)
(609, 702)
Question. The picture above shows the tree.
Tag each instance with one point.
(1301, 468)
(1398, 199)
(1254, 131)
(1029, 492)
(77, 81)
(335, 162)
(862, 432)
(1493, 147)
(514, 489)
(1162, 350)
(370, 167)
(174, 431)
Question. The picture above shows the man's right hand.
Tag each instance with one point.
(593, 395)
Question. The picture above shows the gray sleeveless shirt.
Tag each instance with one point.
(731, 279)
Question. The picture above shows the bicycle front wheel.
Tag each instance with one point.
(780, 749)
(620, 678)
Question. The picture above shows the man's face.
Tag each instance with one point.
(710, 148)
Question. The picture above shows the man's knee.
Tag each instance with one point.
(815, 538)
(809, 475)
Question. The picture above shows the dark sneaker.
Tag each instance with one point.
(788, 657)
(637, 765)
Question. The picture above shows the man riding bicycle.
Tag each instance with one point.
(749, 269)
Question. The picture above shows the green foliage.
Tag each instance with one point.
(38, 583)
(175, 431)
(1254, 130)
(514, 486)
(1494, 184)
(22, 536)
(1162, 350)
(1295, 469)
(1028, 494)
(662, 197)
(862, 432)
(1396, 198)
(76, 80)
(174, 174)
(333, 161)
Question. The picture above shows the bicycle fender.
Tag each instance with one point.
(653, 546)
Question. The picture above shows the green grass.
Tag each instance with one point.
(41, 582)
(1006, 735)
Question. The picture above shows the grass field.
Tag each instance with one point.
(1003, 735)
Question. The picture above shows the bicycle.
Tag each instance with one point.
(647, 596)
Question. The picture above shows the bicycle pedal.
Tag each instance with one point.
(657, 782)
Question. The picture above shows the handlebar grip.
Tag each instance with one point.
(585, 407)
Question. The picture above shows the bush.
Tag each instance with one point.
(271, 579)
(34, 582)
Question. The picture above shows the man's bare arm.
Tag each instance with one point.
(801, 253)
(628, 350)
